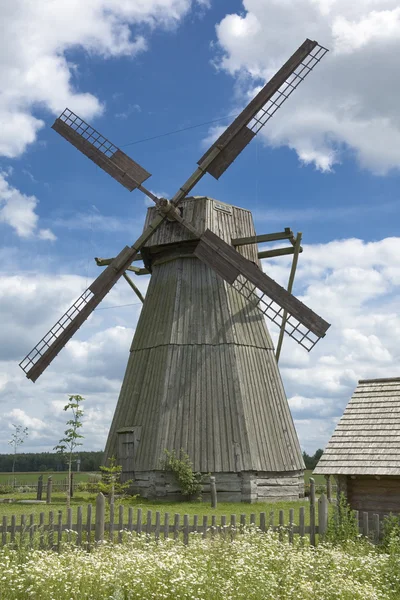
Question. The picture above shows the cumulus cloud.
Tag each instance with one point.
(18, 211)
(35, 69)
(344, 105)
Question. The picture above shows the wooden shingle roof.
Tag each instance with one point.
(366, 440)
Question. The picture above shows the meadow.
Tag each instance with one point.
(254, 566)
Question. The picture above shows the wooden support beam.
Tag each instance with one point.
(104, 262)
(133, 286)
(290, 287)
(278, 252)
(266, 237)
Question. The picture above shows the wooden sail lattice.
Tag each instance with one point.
(100, 150)
(287, 88)
(275, 313)
(51, 336)
(301, 323)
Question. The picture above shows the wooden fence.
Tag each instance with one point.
(92, 528)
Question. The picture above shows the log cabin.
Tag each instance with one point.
(363, 453)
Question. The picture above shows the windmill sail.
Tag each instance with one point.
(302, 324)
(100, 150)
(50, 345)
(263, 106)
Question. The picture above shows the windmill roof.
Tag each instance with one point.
(366, 440)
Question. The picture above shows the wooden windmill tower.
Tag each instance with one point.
(202, 373)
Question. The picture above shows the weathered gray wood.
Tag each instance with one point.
(223, 526)
(281, 524)
(89, 526)
(39, 491)
(214, 527)
(100, 518)
(139, 521)
(49, 489)
(130, 518)
(4, 531)
(32, 528)
(157, 526)
(291, 525)
(148, 523)
(176, 526)
(233, 527)
(365, 524)
(14, 527)
(166, 526)
(242, 522)
(322, 515)
(265, 237)
(262, 521)
(186, 529)
(376, 528)
(59, 530)
(41, 530)
(50, 535)
(302, 521)
(195, 523)
(120, 523)
(252, 519)
(213, 491)
(79, 526)
(357, 519)
(278, 252)
(312, 511)
(69, 524)
(229, 264)
(205, 526)
(271, 519)
(111, 523)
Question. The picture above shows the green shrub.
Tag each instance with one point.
(190, 483)
(342, 526)
(6, 489)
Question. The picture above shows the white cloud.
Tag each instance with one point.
(35, 69)
(350, 102)
(18, 211)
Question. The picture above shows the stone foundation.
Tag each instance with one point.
(246, 486)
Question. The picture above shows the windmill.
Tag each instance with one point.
(202, 374)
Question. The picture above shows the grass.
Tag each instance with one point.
(32, 477)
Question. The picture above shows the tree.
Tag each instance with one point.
(17, 439)
(70, 441)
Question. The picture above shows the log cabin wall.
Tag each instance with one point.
(380, 496)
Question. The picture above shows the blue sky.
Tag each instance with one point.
(326, 165)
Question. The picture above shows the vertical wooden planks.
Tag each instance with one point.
(79, 526)
(186, 529)
(148, 523)
(281, 524)
(302, 521)
(4, 531)
(322, 515)
(166, 526)
(50, 536)
(157, 526)
(120, 523)
(59, 530)
(376, 525)
(69, 524)
(111, 523)
(41, 530)
(100, 518)
(365, 524)
(32, 529)
(312, 511)
(205, 526)
(291, 525)
(139, 522)
(89, 526)
(176, 526)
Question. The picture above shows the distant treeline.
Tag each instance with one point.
(311, 461)
(49, 461)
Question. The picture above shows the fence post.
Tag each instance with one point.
(100, 517)
(375, 521)
(312, 511)
(328, 488)
(71, 485)
(49, 489)
(322, 515)
(39, 488)
(213, 490)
